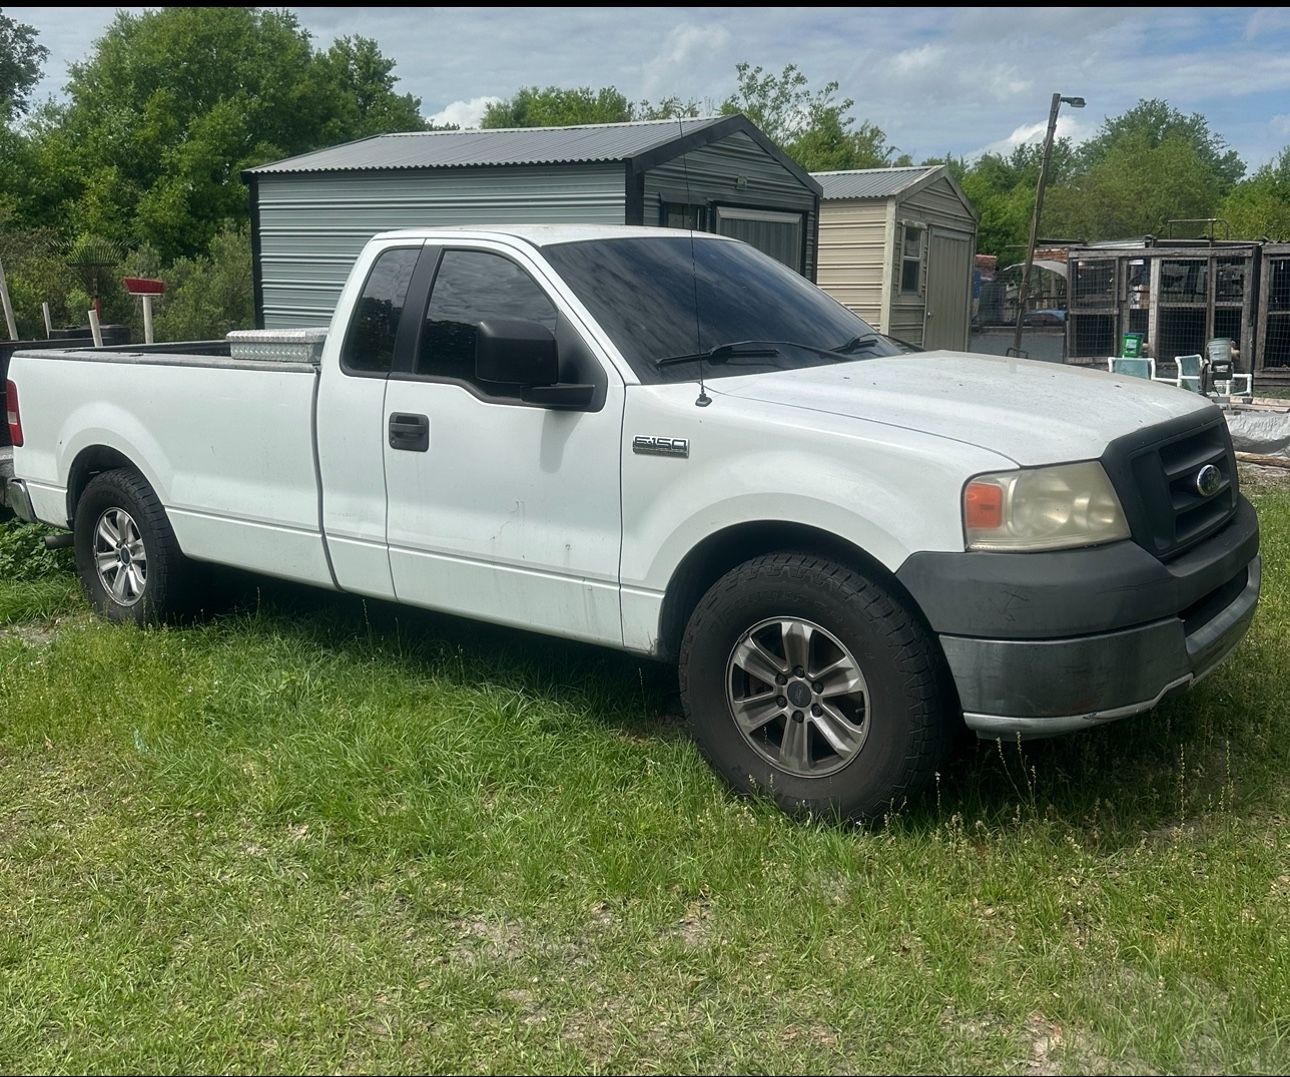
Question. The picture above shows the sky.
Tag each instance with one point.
(937, 80)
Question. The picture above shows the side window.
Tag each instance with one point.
(472, 286)
(369, 343)
(911, 261)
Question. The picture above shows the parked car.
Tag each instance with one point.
(673, 445)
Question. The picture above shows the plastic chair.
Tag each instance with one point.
(1189, 372)
(1144, 367)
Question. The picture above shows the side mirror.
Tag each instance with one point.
(509, 351)
(523, 355)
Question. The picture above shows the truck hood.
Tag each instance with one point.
(1031, 412)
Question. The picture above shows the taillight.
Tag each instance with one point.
(11, 413)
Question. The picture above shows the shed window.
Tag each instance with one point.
(911, 261)
(680, 215)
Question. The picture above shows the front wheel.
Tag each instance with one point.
(128, 560)
(807, 681)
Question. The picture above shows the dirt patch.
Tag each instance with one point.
(492, 940)
(1258, 477)
(40, 634)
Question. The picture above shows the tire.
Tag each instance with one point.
(152, 581)
(853, 741)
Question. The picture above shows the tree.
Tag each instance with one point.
(21, 60)
(813, 127)
(173, 104)
(556, 107)
(1002, 190)
(1135, 188)
(361, 83)
(1260, 206)
(1152, 123)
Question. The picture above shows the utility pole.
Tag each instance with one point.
(1074, 102)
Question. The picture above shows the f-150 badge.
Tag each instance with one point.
(645, 445)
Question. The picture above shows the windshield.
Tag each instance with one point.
(656, 303)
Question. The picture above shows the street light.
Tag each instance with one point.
(1074, 102)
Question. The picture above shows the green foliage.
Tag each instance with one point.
(173, 104)
(21, 58)
(813, 127)
(1145, 167)
(36, 268)
(1002, 190)
(669, 108)
(1260, 206)
(1150, 125)
(23, 557)
(1135, 187)
(360, 83)
(556, 107)
(211, 294)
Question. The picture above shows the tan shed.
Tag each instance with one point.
(897, 246)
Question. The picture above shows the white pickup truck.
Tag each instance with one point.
(668, 443)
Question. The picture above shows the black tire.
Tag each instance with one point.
(167, 583)
(903, 720)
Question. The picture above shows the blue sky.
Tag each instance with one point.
(937, 80)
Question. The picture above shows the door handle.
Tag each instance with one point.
(411, 433)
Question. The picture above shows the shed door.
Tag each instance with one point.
(775, 233)
(949, 285)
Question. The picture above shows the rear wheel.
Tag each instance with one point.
(809, 682)
(128, 560)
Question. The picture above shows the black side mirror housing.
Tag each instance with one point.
(523, 354)
(509, 351)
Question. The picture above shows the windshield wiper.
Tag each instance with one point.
(761, 348)
(855, 344)
(722, 352)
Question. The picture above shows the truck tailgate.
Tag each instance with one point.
(228, 445)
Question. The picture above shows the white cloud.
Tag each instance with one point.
(923, 58)
(464, 113)
(1280, 124)
(686, 46)
(1067, 127)
(1266, 20)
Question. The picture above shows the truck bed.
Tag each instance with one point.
(227, 444)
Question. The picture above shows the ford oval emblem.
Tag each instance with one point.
(1208, 480)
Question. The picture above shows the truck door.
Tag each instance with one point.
(350, 431)
(499, 509)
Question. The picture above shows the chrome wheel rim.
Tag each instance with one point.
(798, 697)
(120, 557)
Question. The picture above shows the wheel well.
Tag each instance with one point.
(720, 552)
(88, 463)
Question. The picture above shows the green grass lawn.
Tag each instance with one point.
(335, 836)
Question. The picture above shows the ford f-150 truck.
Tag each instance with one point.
(668, 443)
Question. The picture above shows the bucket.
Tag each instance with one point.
(1219, 350)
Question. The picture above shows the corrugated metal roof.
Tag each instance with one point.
(501, 146)
(871, 182)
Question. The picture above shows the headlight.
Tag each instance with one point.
(1043, 508)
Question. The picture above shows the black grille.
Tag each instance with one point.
(1156, 478)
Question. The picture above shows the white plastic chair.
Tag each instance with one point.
(1144, 367)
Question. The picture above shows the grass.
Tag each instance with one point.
(330, 835)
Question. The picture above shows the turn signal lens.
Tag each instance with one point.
(983, 506)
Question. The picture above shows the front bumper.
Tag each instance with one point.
(1088, 636)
